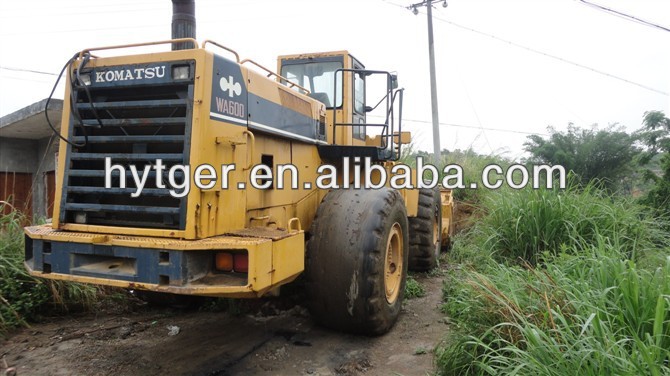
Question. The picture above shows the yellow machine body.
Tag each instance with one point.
(224, 111)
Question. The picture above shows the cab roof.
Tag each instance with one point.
(313, 55)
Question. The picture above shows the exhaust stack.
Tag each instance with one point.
(183, 22)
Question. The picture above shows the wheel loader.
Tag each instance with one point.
(132, 121)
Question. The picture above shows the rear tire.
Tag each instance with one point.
(356, 263)
(425, 232)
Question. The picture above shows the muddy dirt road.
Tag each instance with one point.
(269, 341)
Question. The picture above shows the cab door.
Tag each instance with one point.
(358, 104)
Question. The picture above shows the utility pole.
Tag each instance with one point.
(433, 83)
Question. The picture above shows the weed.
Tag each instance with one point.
(420, 351)
(527, 223)
(22, 297)
(413, 289)
(564, 282)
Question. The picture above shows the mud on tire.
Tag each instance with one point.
(356, 262)
(425, 234)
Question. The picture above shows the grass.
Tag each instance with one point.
(472, 164)
(563, 282)
(413, 288)
(24, 298)
(527, 224)
(470, 161)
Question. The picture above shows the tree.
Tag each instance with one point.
(655, 135)
(603, 155)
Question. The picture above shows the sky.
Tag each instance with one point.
(505, 69)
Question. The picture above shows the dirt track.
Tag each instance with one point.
(269, 341)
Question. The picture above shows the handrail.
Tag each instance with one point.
(237, 56)
(252, 146)
(387, 139)
(291, 222)
(171, 41)
(271, 73)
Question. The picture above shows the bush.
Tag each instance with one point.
(589, 313)
(22, 297)
(524, 224)
(558, 288)
(473, 164)
(413, 288)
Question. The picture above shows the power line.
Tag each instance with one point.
(624, 15)
(27, 71)
(477, 127)
(80, 6)
(545, 54)
(472, 104)
(80, 30)
(24, 79)
(555, 57)
(92, 12)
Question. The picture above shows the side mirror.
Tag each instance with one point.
(394, 80)
(368, 109)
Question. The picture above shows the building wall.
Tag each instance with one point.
(15, 190)
(45, 152)
(17, 155)
(36, 157)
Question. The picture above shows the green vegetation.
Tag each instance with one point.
(420, 351)
(24, 298)
(602, 155)
(527, 224)
(559, 283)
(656, 137)
(413, 288)
(473, 164)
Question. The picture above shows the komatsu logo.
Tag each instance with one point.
(130, 74)
(233, 88)
(229, 92)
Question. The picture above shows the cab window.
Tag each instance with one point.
(318, 78)
(359, 94)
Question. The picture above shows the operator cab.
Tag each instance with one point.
(343, 85)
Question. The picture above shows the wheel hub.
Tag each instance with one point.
(393, 265)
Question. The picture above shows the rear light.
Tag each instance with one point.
(228, 262)
(241, 262)
(224, 262)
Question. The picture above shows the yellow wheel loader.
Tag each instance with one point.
(194, 172)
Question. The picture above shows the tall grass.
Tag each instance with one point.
(472, 164)
(590, 313)
(527, 224)
(558, 290)
(24, 298)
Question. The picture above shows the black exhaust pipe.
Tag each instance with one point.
(183, 22)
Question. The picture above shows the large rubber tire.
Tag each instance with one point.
(425, 232)
(352, 283)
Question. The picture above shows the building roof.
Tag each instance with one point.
(30, 122)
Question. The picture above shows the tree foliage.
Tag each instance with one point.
(602, 155)
(655, 135)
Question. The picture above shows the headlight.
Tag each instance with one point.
(85, 78)
(180, 73)
(80, 217)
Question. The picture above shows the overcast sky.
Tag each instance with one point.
(588, 66)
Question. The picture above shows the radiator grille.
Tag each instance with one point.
(140, 124)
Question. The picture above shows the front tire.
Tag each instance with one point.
(356, 263)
